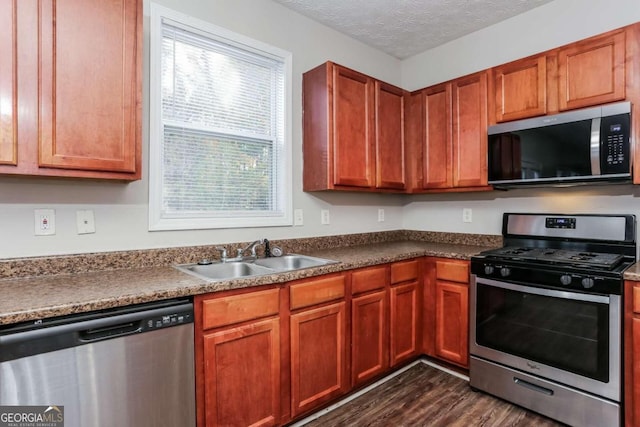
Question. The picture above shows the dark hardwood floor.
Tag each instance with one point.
(425, 396)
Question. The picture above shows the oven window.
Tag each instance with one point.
(565, 334)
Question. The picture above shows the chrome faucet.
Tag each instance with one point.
(249, 252)
(223, 253)
(251, 247)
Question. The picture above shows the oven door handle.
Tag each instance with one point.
(575, 296)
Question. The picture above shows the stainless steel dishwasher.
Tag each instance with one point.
(131, 366)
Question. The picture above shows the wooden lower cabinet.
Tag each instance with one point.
(369, 332)
(318, 356)
(452, 322)
(632, 353)
(403, 322)
(271, 356)
(242, 375)
(446, 310)
(238, 358)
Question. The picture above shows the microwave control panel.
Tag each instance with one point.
(615, 144)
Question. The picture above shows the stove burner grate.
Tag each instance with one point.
(556, 256)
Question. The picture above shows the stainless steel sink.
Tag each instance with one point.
(292, 262)
(224, 271)
(219, 271)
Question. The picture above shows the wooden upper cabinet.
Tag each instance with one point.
(353, 152)
(8, 83)
(390, 155)
(353, 129)
(453, 143)
(521, 89)
(470, 130)
(592, 72)
(76, 109)
(437, 157)
(88, 84)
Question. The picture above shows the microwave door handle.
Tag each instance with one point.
(595, 147)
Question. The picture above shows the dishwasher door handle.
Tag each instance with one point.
(111, 331)
(25, 340)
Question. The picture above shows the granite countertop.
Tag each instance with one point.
(28, 299)
(633, 272)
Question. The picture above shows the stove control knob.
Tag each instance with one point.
(587, 283)
(488, 269)
(504, 271)
(565, 279)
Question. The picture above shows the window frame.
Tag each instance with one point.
(157, 222)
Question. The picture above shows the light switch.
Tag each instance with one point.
(467, 215)
(324, 217)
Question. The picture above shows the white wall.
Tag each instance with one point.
(546, 27)
(121, 209)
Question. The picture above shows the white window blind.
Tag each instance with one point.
(220, 159)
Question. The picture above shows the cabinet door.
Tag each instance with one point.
(390, 166)
(242, 375)
(470, 131)
(635, 412)
(353, 128)
(403, 322)
(8, 81)
(89, 72)
(318, 356)
(592, 72)
(369, 352)
(452, 322)
(520, 89)
(436, 152)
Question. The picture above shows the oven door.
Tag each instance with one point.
(567, 337)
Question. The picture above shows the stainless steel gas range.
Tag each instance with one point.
(546, 315)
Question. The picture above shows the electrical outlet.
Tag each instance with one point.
(380, 215)
(44, 222)
(298, 217)
(85, 222)
(467, 215)
(324, 217)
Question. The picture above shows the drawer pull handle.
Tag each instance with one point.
(533, 387)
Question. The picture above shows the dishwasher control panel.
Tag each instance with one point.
(168, 320)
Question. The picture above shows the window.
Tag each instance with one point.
(220, 127)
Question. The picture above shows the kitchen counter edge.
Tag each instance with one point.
(30, 299)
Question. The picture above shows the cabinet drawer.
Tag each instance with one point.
(636, 299)
(453, 271)
(239, 308)
(404, 271)
(316, 291)
(367, 280)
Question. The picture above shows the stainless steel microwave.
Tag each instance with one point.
(582, 146)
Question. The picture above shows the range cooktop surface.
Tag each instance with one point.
(556, 256)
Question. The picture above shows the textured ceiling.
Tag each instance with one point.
(403, 28)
